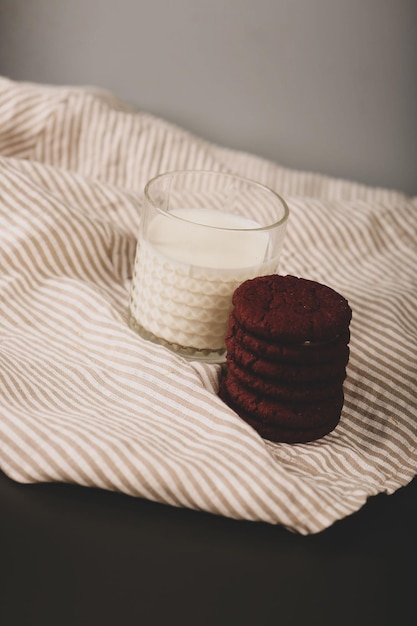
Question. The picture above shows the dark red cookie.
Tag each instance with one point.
(306, 353)
(290, 309)
(281, 434)
(300, 393)
(275, 413)
(286, 372)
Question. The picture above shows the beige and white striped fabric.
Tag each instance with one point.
(85, 400)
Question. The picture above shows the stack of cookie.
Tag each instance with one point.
(287, 351)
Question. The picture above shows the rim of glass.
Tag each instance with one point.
(237, 177)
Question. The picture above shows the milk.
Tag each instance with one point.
(186, 242)
(186, 272)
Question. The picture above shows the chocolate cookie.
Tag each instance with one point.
(282, 414)
(298, 393)
(287, 351)
(291, 309)
(282, 435)
(286, 372)
(277, 433)
(307, 352)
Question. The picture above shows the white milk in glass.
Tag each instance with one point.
(186, 272)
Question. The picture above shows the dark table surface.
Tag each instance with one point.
(84, 557)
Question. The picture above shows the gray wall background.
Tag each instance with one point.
(321, 85)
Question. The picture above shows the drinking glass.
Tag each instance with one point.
(202, 234)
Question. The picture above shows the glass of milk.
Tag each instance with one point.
(202, 234)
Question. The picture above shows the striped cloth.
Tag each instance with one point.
(85, 400)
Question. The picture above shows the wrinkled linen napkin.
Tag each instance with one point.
(85, 400)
